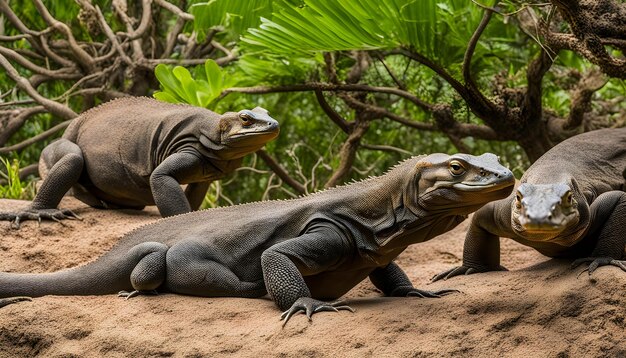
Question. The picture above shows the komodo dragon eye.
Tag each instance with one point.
(518, 200)
(456, 167)
(568, 198)
(246, 119)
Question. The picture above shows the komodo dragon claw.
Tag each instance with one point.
(10, 300)
(39, 214)
(415, 292)
(463, 270)
(309, 306)
(127, 295)
(597, 262)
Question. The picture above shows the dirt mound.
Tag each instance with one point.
(539, 308)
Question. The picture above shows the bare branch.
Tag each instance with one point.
(532, 106)
(588, 28)
(111, 36)
(172, 37)
(591, 81)
(458, 86)
(83, 57)
(393, 76)
(16, 118)
(64, 73)
(146, 18)
(469, 52)
(52, 106)
(331, 113)
(38, 138)
(347, 153)
(320, 86)
(138, 54)
(173, 8)
(281, 172)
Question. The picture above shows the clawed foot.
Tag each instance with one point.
(463, 270)
(135, 293)
(10, 300)
(309, 306)
(39, 214)
(597, 262)
(415, 292)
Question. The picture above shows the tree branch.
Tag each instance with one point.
(331, 113)
(174, 9)
(458, 86)
(467, 59)
(52, 106)
(38, 138)
(347, 153)
(532, 106)
(17, 118)
(320, 86)
(591, 81)
(281, 172)
(83, 57)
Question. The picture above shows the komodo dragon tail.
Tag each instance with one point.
(110, 273)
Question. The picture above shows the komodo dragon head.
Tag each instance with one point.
(240, 133)
(545, 210)
(462, 183)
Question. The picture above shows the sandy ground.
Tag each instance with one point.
(538, 309)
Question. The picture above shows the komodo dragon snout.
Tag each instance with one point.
(544, 208)
(462, 180)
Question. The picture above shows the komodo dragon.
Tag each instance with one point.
(301, 251)
(133, 152)
(570, 204)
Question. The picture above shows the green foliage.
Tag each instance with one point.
(178, 86)
(15, 188)
(232, 16)
(429, 26)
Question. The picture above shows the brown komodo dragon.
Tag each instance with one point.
(301, 251)
(136, 151)
(570, 204)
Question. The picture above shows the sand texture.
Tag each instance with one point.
(537, 309)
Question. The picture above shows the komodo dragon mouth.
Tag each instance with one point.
(486, 188)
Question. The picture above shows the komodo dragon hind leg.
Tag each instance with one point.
(150, 272)
(10, 300)
(63, 164)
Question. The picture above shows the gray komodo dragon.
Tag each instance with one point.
(301, 251)
(570, 204)
(133, 152)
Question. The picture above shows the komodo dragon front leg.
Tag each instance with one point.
(178, 168)
(481, 250)
(322, 248)
(65, 162)
(393, 282)
(608, 214)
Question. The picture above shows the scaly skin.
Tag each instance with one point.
(133, 152)
(303, 252)
(570, 204)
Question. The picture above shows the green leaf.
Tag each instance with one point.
(188, 85)
(214, 77)
(166, 97)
